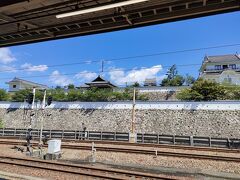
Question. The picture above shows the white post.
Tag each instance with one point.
(34, 92)
(42, 108)
(133, 135)
(44, 99)
(93, 158)
(133, 111)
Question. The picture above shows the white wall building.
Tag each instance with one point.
(221, 69)
(19, 84)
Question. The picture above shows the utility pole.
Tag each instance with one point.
(133, 111)
(42, 109)
(29, 132)
(102, 67)
(32, 99)
(34, 92)
(133, 135)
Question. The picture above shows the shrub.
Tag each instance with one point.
(1, 123)
(203, 90)
(4, 96)
(21, 95)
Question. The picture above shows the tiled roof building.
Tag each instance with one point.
(221, 69)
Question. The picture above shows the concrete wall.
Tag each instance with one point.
(216, 119)
(172, 105)
(158, 93)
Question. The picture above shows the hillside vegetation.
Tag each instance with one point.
(91, 95)
(204, 90)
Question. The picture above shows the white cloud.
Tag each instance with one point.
(84, 76)
(31, 68)
(5, 68)
(120, 77)
(58, 79)
(88, 62)
(6, 56)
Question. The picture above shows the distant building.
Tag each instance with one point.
(150, 82)
(19, 84)
(99, 82)
(221, 69)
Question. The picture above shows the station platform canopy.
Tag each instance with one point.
(27, 21)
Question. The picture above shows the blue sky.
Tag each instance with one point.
(189, 34)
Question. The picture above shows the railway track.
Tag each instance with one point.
(157, 153)
(141, 151)
(211, 149)
(90, 171)
(181, 147)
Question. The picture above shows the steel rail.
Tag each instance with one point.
(88, 170)
(211, 149)
(182, 147)
(145, 152)
(156, 153)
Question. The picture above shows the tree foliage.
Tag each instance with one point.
(1, 123)
(3, 95)
(71, 86)
(173, 79)
(189, 79)
(178, 80)
(203, 90)
(91, 95)
(136, 84)
(232, 92)
(172, 72)
(21, 95)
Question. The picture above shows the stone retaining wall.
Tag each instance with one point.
(214, 123)
(160, 96)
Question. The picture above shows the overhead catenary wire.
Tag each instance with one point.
(113, 70)
(126, 58)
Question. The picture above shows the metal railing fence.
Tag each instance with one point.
(199, 141)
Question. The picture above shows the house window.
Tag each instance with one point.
(14, 86)
(228, 80)
(232, 66)
(225, 66)
(218, 67)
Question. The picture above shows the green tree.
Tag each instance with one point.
(173, 79)
(58, 87)
(189, 95)
(71, 86)
(232, 92)
(57, 95)
(172, 72)
(21, 95)
(189, 79)
(236, 95)
(1, 123)
(136, 84)
(203, 90)
(178, 80)
(91, 95)
(3, 95)
(165, 82)
(73, 95)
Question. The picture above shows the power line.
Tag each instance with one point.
(113, 70)
(175, 52)
(130, 57)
